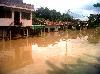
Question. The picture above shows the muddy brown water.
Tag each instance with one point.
(69, 52)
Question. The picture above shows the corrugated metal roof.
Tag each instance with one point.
(17, 5)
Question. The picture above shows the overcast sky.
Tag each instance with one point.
(77, 7)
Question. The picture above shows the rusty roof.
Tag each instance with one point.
(18, 5)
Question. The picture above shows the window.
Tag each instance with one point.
(5, 13)
(26, 15)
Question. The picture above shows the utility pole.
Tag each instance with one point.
(66, 55)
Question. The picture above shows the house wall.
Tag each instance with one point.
(26, 22)
(10, 21)
(5, 21)
(52, 27)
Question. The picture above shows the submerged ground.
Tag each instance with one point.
(69, 52)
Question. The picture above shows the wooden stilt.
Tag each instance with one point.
(3, 39)
(48, 29)
(3, 44)
(80, 29)
(10, 43)
(41, 32)
(3, 36)
(24, 32)
(44, 31)
(27, 42)
(10, 34)
(27, 32)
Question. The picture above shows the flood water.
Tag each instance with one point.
(69, 52)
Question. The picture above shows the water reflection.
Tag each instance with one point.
(70, 52)
(81, 67)
(14, 55)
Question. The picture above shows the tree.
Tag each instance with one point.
(66, 17)
(52, 15)
(43, 13)
(97, 5)
(94, 20)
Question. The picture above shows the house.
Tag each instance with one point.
(15, 17)
(53, 26)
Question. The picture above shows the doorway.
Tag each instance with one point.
(16, 18)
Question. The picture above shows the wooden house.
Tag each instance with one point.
(15, 16)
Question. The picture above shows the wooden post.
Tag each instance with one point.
(3, 44)
(56, 28)
(80, 29)
(44, 31)
(41, 31)
(27, 42)
(10, 43)
(24, 32)
(66, 52)
(10, 34)
(27, 32)
(48, 29)
(3, 36)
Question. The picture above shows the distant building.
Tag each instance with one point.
(54, 26)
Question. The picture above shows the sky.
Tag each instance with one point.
(78, 8)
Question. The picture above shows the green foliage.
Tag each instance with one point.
(52, 15)
(97, 5)
(66, 17)
(94, 20)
